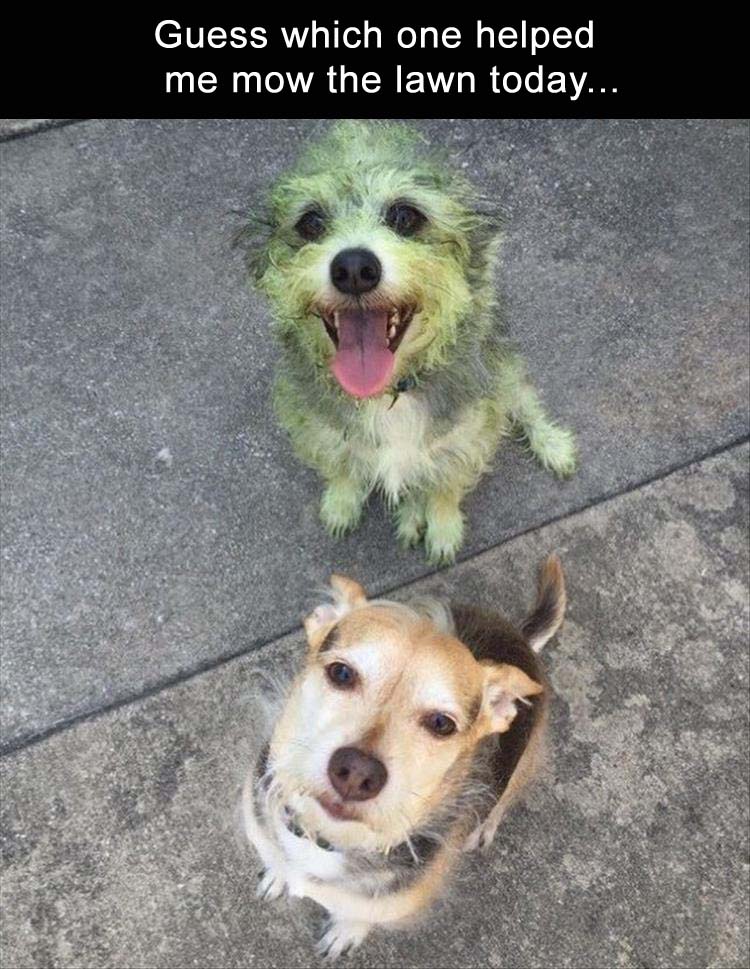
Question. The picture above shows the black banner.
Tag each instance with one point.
(572, 62)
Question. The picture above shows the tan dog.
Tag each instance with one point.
(403, 740)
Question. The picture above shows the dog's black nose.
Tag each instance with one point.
(355, 775)
(356, 271)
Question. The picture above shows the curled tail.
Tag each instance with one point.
(549, 609)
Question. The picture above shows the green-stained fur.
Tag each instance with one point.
(423, 448)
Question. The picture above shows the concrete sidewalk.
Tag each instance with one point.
(155, 518)
(160, 542)
(630, 851)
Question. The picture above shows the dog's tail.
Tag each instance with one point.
(549, 609)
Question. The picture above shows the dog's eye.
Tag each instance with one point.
(341, 675)
(439, 724)
(311, 225)
(404, 219)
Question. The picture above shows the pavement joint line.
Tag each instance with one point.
(50, 125)
(32, 739)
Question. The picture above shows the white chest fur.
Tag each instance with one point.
(399, 434)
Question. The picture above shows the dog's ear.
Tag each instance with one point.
(346, 595)
(504, 686)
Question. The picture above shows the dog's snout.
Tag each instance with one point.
(355, 775)
(355, 271)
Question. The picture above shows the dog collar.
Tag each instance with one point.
(291, 824)
(402, 387)
(411, 854)
(407, 383)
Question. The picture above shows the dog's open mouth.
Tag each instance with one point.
(366, 340)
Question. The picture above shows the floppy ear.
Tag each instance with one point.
(504, 686)
(346, 595)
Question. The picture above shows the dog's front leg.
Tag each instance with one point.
(444, 531)
(273, 878)
(553, 446)
(341, 506)
(411, 519)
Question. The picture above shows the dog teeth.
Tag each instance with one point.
(336, 319)
(391, 332)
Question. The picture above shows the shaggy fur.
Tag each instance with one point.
(457, 386)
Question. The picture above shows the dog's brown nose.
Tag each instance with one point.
(355, 271)
(355, 775)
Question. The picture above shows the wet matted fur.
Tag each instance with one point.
(448, 384)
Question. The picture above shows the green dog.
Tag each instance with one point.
(396, 372)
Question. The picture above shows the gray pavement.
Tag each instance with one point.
(155, 518)
(631, 850)
(160, 543)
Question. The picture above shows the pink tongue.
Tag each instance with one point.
(363, 363)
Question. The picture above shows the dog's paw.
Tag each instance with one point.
(341, 508)
(555, 449)
(410, 523)
(444, 534)
(481, 837)
(341, 937)
(270, 885)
